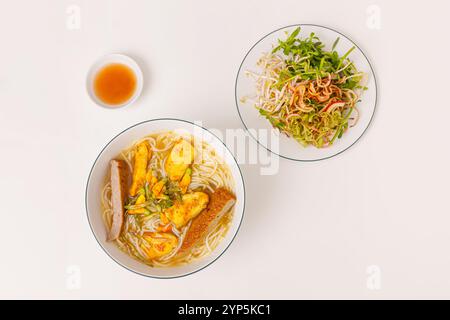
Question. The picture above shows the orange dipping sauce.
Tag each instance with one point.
(115, 84)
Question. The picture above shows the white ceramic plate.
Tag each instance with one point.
(289, 148)
(97, 178)
(115, 58)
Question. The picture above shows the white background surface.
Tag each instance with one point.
(311, 231)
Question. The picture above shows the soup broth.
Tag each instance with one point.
(174, 203)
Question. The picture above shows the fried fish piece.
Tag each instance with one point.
(158, 188)
(158, 244)
(142, 155)
(180, 158)
(150, 178)
(189, 207)
(221, 201)
(140, 200)
(186, 180)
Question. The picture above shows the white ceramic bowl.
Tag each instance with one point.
(96, 181)
(289, 148)
(115, 58)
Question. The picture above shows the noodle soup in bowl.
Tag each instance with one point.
(165, 198)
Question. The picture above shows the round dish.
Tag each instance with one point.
(288, 147)
(96, 181)
(111, 59)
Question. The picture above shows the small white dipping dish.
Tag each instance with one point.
(112, 59)
(100, 170)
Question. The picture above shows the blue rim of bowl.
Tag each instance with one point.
(182, 275)
(301, 25)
